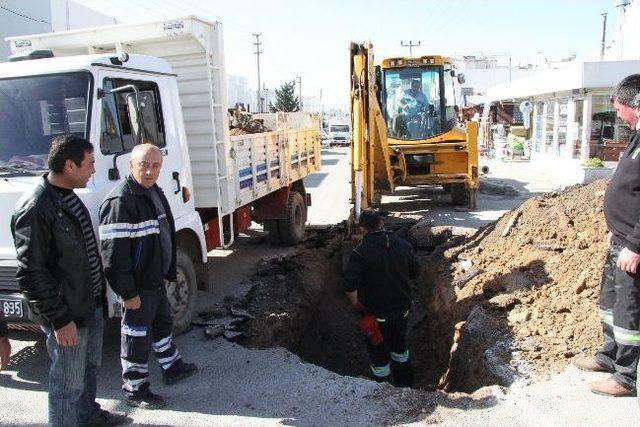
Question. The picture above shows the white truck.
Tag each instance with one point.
(339, 133)
(162, 82)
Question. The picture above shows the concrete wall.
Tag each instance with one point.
(69, 15)
(20, 17)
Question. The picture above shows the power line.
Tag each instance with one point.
(22, 15)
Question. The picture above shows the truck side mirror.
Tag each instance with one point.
(461, 78)
(142, 116)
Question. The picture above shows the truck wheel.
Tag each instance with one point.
(446, 188)
(292, 227)
(273, 231)
(182, 293)
(459, 194)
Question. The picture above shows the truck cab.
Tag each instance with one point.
(115, 103)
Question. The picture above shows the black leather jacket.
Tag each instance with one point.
(53, 263)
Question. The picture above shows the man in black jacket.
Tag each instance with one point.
(60, 274)
(620, 284)
(137, 237)
(377, 285)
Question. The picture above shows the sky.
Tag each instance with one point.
(310, 38)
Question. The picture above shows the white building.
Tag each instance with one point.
(19, 17)
(573, 118)
(483, 72)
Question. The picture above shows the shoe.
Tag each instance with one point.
(106, 418)
(146, 400)
(589, 364)
(179, 371)
(610, 387)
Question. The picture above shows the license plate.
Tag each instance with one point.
(12, 308)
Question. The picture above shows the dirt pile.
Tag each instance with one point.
(534, 277)
(512, 299)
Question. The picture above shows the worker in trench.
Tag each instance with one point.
(377, 285)
(619, 303)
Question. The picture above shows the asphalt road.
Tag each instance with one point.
(237, 386)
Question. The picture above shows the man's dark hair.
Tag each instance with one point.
(370, 220)
(626, 90)
(67, 147)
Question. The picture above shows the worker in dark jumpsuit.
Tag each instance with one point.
(377, 285)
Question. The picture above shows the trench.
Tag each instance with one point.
(305, 311)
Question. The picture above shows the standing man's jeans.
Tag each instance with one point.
(72, 377)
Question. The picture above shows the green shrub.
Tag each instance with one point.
(516, 143)
(593, 162)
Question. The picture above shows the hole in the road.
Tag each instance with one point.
(300, 305)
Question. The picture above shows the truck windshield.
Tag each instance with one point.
(36, 109)
(339, 128)
(413, 103)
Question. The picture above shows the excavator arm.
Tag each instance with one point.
(371, 169)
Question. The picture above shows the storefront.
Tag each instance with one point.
(572, 118)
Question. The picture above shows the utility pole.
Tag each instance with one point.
(257, 44)
(604, 30)
(411, 45)
(299, 78)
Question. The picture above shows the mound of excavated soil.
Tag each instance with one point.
(517, 296)
(536, 274)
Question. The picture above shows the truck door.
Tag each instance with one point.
(117, 135)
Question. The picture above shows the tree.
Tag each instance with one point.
(285, 98)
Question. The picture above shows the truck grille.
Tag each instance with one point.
(8, 278)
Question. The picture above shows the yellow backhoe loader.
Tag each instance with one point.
(405, 129)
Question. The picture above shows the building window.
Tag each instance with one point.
(550, 120)
(563, 107)
(576, 135)
(609, 135)
(538, 127)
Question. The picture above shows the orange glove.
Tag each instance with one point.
(368, 325)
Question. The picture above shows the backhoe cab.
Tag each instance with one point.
(405, 128)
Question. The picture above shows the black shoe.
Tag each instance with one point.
(146, 400)
(179, 371)
(106, 418)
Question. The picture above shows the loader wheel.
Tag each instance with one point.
(473, 199)
(376, 200)
(182, 293)
(292, 227)
(459, 194)
(446, 188)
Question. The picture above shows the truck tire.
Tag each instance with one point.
(273, 231)
(292, 227)
(182, 293)
(459, 194)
